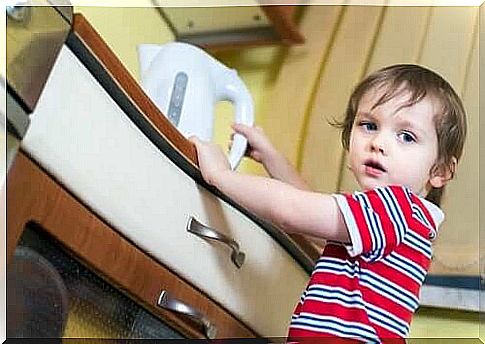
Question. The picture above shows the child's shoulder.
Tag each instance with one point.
(395, 197)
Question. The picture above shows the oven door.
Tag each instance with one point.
(51, 294)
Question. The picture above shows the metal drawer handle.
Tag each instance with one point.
(197, 228)
(166, 301)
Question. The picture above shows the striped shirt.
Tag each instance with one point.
(368, 290)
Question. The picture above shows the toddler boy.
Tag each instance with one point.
(404, 130)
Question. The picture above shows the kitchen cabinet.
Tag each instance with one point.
(229, 27)
(35, 197)
(133, 181)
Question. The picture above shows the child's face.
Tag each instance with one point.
(389, 145)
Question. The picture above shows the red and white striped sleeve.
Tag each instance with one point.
(377, 220)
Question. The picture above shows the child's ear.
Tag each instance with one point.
(440, 175)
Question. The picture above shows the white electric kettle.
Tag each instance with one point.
(186, 83)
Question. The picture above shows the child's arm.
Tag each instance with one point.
(275, 163)
(289, 208)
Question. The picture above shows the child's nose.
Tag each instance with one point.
(377, 144)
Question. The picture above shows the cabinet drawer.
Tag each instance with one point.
(68, 225)
(269, 281)
(83, 138)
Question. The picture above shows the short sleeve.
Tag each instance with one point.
(377, 220)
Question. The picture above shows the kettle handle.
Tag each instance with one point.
(234, 90)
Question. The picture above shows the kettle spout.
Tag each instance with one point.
(146, 54)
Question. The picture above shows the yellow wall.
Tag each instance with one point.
(123, 28)
(257, 67)
(444, 323)
(279, 112)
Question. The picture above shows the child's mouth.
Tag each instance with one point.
(374, 168)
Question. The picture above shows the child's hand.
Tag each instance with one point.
(259, 148)
(275, 163)
(212, 160)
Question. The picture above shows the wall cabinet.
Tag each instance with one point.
(229, 27)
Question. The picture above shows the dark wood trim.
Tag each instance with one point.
(130, 86)
(283, 19)
(33, 196)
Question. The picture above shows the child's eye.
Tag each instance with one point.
(368, 126)
(406, 137)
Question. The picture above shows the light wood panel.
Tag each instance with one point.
(457, 246)
(441, 38)
(447, 50)
(482, 161)
(399, 40)
(342, 69)
(289, 98)
(448, 42)
(400, 36)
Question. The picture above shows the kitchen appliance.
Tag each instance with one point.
(37, 298)
(34, 38)
(186, 83)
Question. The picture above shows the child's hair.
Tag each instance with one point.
(420, 82)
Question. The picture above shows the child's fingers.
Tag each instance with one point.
(247, 131)
(241, 128)
(197, 140)
(194, 139)
(198, 143)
